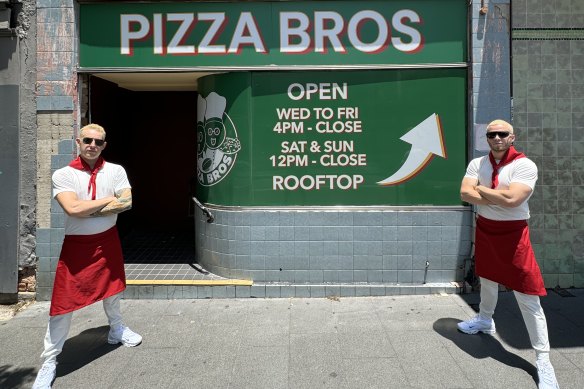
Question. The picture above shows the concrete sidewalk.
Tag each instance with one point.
(364, 342)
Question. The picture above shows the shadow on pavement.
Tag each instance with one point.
(565, 318)
(16, 378)
(83, 349)
(481, 346)
(510, 326)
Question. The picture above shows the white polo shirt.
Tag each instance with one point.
(521, 170)
(111, 180)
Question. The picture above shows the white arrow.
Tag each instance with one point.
(426, 140)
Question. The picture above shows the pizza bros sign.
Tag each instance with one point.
(272, 34)
(299, 32)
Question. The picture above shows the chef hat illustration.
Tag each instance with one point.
(215, 106)
(201, 108)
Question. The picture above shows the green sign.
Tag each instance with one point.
(272, 34)
(383, 137)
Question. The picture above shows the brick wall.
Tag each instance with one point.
(52, 128)
(56, 99)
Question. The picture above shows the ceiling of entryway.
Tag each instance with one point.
(154, 81)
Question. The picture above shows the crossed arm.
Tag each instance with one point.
(476, 194)
(102, 207)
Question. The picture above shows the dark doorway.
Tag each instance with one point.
(153, 135)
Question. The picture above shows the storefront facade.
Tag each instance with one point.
(17, 146)
(326, 139)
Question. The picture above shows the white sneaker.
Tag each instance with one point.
(125, 336)
(45, 376)
(546, 375)
(476, 325)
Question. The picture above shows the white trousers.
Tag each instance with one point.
(59, 326)
(531, 311)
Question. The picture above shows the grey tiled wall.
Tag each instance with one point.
(50, 240)
(548, 90)
(336, 247)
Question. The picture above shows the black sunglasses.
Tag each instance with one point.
(502, 134)
(98, 142)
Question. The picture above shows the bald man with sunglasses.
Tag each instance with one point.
(92, 192)
(500, 185)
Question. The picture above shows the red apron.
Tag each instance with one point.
(90, 269)
(503, 254)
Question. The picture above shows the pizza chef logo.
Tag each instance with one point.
(217, 142)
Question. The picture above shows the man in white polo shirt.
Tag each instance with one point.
(500, 184)
(91, 266)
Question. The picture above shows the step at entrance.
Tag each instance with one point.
(140, 289)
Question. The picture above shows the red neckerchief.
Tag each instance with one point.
(510, 155)
(80, 164)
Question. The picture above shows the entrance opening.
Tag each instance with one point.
(152, 134)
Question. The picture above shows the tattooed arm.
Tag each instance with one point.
(81, 208)
(123, 202)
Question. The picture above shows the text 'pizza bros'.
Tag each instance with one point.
(299, 32)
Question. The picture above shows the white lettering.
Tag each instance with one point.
(291, 89)
(247, 23)
(185, 20)
(382, 35)
(277, 182)
(323, 113)
(300, 31)
(339, 127)
(128, 36)
(293, 113)
(158, 34)
(324, 91)
(415, 36)
(294, 147)
(338, 146)
(348, 112)
(343, 160)
(332, 34)
(311, 89)
(320, 181)
(345, 186)
(217, 20)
